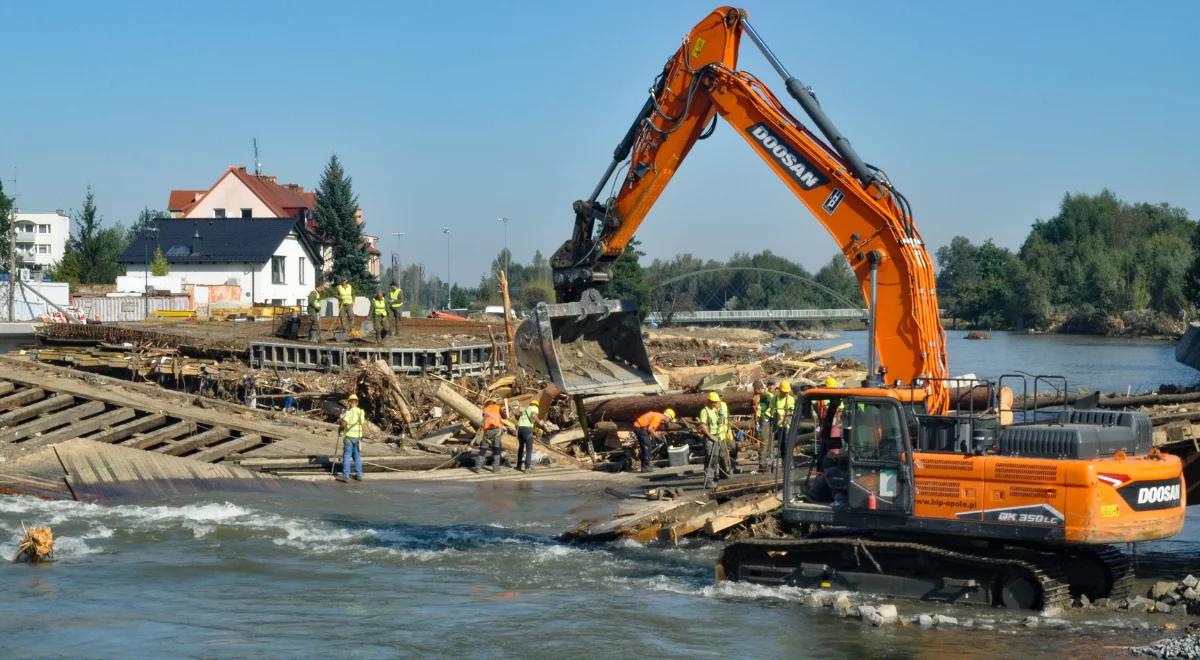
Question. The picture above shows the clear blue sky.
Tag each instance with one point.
(448, 113)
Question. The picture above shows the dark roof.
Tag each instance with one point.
(233, 240)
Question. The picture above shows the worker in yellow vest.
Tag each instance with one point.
(529, 419)
(314, 315)
(345, 294)
(395, 302)
(351, 426)
(379, 315)
(785, 409)
(763, 405)
(714, 425)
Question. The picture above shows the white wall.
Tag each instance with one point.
(56, 239)
(28, 306)
(255, 279)
(233, 196)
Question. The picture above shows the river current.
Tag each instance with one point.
(386, 569)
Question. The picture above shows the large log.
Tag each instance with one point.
(628, 409)
(472, 413)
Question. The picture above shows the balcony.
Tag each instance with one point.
(26, 236)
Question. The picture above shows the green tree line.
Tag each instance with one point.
(1099, 265)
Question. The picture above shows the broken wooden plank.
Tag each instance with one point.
(165, 434)
(52, 421)
(720, 517)
(47, 405)
(123, 431)
(214, 453)
(6, 387)
(22, 398)
(83, 427)
(184, 445)
(826, 351)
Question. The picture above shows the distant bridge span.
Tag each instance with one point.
(753, 315)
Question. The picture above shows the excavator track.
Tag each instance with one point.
(1011, 577)
(1100, 572)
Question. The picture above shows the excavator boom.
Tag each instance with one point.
(860, 209)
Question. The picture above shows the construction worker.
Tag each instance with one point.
(646, 429)
(785, 408)
(493, 430)
(528, 420)
(395, 302)
(351, 426)
(763, 405)
(379, 315)
(314, 315)
(345, 294)
(714, 420)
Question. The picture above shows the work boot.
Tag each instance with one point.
(479, 462)
(495, 462)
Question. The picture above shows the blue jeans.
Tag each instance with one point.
(351, 449)
(524, 446)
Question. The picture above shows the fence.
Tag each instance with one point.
(128, 308)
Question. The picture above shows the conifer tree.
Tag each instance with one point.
(336, 205)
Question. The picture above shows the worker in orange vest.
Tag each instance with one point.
(646, 429)
(493, 429)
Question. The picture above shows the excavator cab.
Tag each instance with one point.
(863, 459)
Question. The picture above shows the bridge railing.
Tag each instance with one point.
(731, 315)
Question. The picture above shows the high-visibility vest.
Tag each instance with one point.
(650, 421)
(711, 419)
(491, 417)
(528, 417)
(785, 406)
(345, 294)
(396, 298)
(380, 306)
(354, 419)
(764, 405)
(726, 425)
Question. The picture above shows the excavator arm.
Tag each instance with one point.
(865, 215)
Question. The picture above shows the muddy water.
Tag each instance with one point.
(387, 569)
(1103, 363)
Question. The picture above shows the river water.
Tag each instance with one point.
(1088, 362)
(385, 569)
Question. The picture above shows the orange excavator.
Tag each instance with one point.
(917, 484)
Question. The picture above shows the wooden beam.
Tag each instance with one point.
(52, 421)
(21, 398)
(84, 427)
(214, 453)
(49, 404)
(6, 387)
(123, 431)
(183, 446)
(721, 517)
(165, 434)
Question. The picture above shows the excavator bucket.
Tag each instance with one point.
(593, 346)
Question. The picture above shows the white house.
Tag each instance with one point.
(272, 260)
(41, 238)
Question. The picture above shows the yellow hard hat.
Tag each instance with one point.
(831, 382)
(534, 404)
(352, 397)
(669, 412)
(785, 386)
(713, 396)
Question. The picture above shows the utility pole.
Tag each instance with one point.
(257, 164)
(507, 256)
(446, 231)
(12, 251)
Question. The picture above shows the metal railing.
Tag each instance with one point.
(757, 315)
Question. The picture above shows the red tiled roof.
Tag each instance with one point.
(284, 201)
(181, 199)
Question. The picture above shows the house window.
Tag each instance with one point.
(43, 248)
(277, 271)
(302, 278)
(218, 213)
(247, 213)
(43, 229)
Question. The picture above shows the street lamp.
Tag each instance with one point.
(396, 259)
(507, 256)
(149, 231)
(446, 231)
